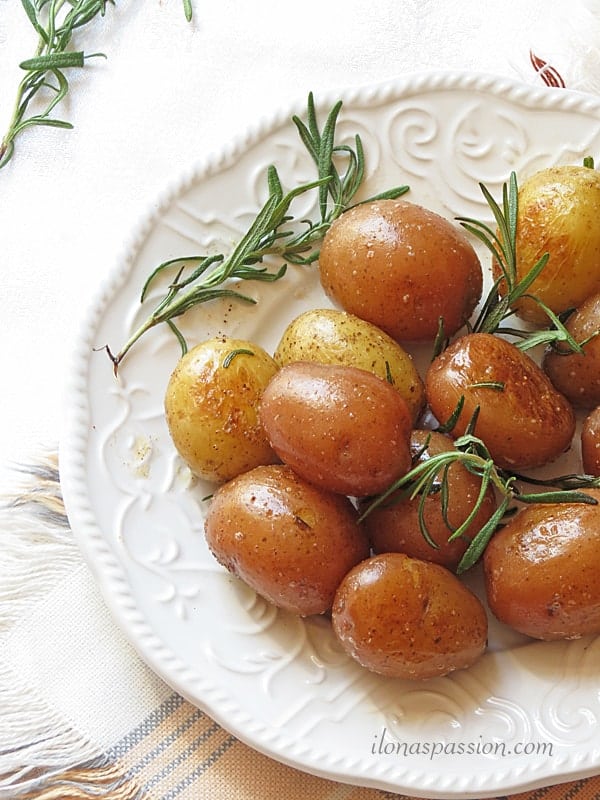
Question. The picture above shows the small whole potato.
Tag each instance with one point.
(590, 443)
(342, 428)
(542, 570)
(558, 213)
(402, 268)
(331, 336)
(577, 375)
(285, 538)
(395, 526)
(406, 618)
(211, 407)
(523, 420)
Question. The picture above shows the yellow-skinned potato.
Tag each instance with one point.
(211, 407)
(331, 336)
(406, 618)
(559, 208)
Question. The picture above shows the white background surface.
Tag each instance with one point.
(170, 93)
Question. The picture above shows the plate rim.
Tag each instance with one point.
(108, 572)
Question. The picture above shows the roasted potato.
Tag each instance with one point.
(395, 526)
(402, 268)
(211, 407)
(542, 570)
(558, 214)
(406, 618)
(523, 420)
(285, 538)
(342, 428)
(331, 336)
(577, 375)
(590, 443)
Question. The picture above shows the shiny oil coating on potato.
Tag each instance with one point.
(542, 570)
(288, 540)
(523, 420)
(559, 208)
(211, 407)
(332, 336)
(340, 427)
(401, 267)
(406, 618)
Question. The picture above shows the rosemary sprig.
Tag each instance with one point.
(430, 476)
(201, 278)
(502, 244)
(45, 80)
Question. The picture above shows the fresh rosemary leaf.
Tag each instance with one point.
(53, 61)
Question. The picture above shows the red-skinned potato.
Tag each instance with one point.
(523, 420)
(395, 527)
(577, 375)
(542, 570)
(406, 618)
(590, 443)
(340, 427)
(285, 538)
(402, 268)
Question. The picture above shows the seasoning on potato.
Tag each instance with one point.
(406, 618)
(287, 539)
(396, 525)
(590, 443)
(340, 427)
(332, 336)
(542, 570)
(401, 267)
(523, 420)
(558, 214)
(211, 407)
(577, 375)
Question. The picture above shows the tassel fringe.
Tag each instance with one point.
(41, 756)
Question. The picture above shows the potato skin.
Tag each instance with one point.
(527, 424)
(339, 427)
(288, 540)
(542, 570)
(211, 409)
(332, 336)
(401, 267)
(590, 443)
(558, 214)
(395, 527)
(577, 376)
(406, 618)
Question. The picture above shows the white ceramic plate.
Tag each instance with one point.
(528, 714)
